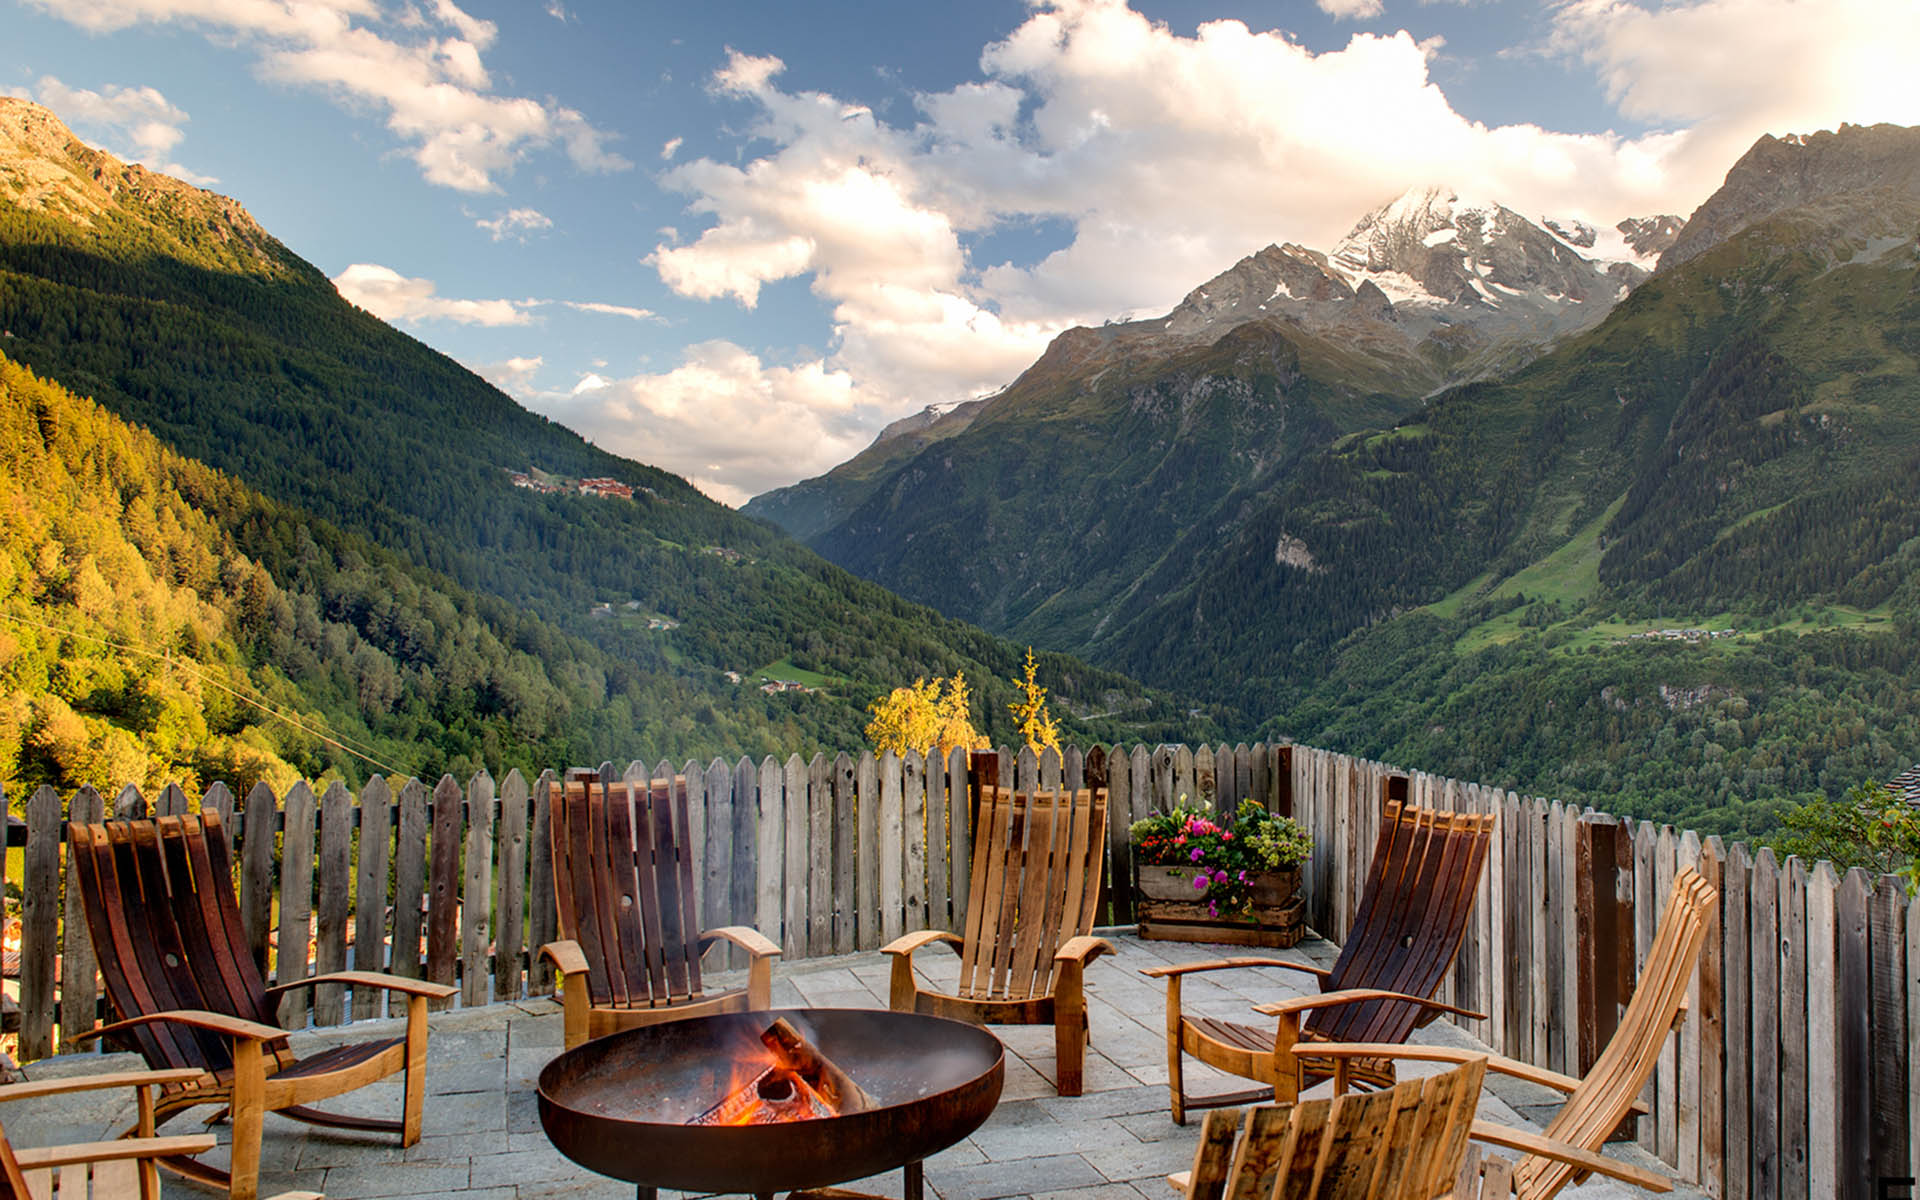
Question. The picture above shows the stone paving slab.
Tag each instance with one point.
(483, 1141)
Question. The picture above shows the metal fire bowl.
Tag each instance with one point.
(619, 1105)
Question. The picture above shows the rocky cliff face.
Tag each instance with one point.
(1802, 171)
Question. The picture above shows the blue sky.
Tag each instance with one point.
(734, 239)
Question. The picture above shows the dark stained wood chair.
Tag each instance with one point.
(1413, 914)
(629, 921)
(165, 925)
(120, 1169)
(1596, 1104)
(1406, 1142)
(1031, 900)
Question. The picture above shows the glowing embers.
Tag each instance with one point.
(793, 1082)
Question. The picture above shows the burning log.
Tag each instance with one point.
(800, 1084)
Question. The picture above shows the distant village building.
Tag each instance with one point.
(732, 676)
(776, 686)
(1906, 785)
(605, 487)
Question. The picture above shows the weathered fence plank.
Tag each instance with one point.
(846, 925)
(476, 891)
(409, 880)
(1736, 982)
(1891, 1045)
(960, 834)
(913, 833)
(511, 890)
(821, 868)
(799, 868)
(543, 917)
(330, 916)
(1793, 1030)
(443, 886)
(891, 856)
(370, 894)
(1712, 1019)
(770, 853)
(39, 922)
(79, 967)
(716, 850)
(1688, 1151)
(866, 890)
(746, 848)
(296, 903)
(1764, 899)
(1853, 1006)
(260, 819)
(1823, 1047)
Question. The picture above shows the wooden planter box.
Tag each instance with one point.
(1168, 912)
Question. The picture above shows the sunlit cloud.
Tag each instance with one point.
(515, 223)
(421, 66)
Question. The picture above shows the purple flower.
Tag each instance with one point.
(1213, 910)
(1197, 854)
(1243, 877)
(1220, 876)
(1200, 882)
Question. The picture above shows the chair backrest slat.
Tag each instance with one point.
(1037, 860)
(166, 926)
(1406, 1142)
(1596, 1107)
(623, 879)
(1420, 891)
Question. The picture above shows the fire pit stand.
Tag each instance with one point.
(620, 1105)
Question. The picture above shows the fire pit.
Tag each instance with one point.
(646, 1105)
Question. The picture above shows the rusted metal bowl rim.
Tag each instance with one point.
(784, 1157)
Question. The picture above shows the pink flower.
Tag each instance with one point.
(1200, 882)
(1220, 876)
(1198, 854)
(1226, 837)
(1181, 840)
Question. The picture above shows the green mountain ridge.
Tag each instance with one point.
(173, 310)
(1454, 583)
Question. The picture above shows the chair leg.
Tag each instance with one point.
(416, 1075)
(1069, 1030)
(901, 989)
(574, 1003)
(249, 1116)
(1176, 1083)
(1286, 1068)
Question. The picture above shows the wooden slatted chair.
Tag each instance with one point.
(1596, 1104)
(165, 925)
(1406, 1142)
(1419, 896)
(1031, 900)
(121, 1169)
(629, 922)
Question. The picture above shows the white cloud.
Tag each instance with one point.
(670, 148)
(391, 296)
(558, 11)
(732, 424)
(135, 123)
(1350, 10)
(1698, 66)
(611, 310)
(514, 376)
(422, 68)
(515, 223)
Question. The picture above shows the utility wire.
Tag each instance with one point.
(208, 678)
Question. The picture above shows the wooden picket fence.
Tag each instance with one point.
(1794, 1076)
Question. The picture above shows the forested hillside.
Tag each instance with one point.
(376, 477)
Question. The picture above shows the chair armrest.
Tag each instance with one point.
(1354, 996)
(566, 957)
(33, 1088)
(1222, 964)
(1586, 1160)
(1448, 1054)
(238, 1027)
(376, 979)
(744, 936)
(1083, 949)
(118, 1148)
(905, 946)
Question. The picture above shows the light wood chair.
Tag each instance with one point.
(1035, 887)
(1406, 1142)
(1596, 1104)
(1419, 896)
(165, 925)
(119, 1169)
(629, 923)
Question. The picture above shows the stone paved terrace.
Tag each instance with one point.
(483, 1139)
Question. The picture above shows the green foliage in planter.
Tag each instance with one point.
(1224, 858)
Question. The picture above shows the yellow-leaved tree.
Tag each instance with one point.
(919, 717)
(1030, 714)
